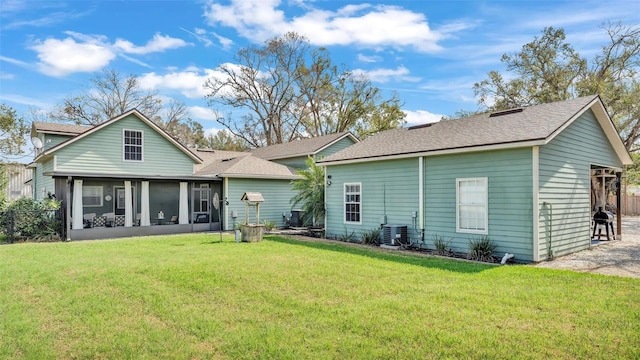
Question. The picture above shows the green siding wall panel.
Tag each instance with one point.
(509, 175)
(565, 173)
(277, 200)
(335, 147)
(51, 140)
(296, 162)
(101, 152)
(388, 187)
(42, 184)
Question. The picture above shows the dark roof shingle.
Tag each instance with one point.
(531, 124)
(301, 147)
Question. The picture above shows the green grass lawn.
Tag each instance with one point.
(192, 297)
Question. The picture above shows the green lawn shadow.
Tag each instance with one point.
(434, 262)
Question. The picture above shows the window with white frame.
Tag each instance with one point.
(92, 196)
(353, 203)
(132, 145)
(471, 205)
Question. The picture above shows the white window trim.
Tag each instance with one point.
(486, 206)
(123, 146)
(344, 203)
(85, 187)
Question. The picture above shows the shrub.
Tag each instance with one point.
(371, 237)
(34, 220)
(347, 237)
(441, 245)
(269, 225)
(480, 249)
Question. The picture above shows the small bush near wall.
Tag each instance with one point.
(481, 249)
(371, 237)
(28, 220)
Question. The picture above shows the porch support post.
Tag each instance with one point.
(67, 209)
(128, 204)
(144, 208)
(77, 205)
(183, 214)
(618, 206)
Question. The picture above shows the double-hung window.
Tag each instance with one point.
(132, 145)
(471, 205)
(92, 196)
(353, 203)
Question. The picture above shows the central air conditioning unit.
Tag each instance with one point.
(394, 234)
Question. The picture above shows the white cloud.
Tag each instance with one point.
(159, 43)
(418, 117)
(203, 113)
(6, 76)
(385, 75)
(88, 53)
(63, 57)
(369, 59)
(357, 25)
(188, 82)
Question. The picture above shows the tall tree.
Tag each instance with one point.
(549, 69)
(12, 132)
(289, 90)
(111, 94)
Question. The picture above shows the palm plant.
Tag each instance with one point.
(310, 193)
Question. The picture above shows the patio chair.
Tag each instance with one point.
(100, 221)
(173, 220)
(88, 220)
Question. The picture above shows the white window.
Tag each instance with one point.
(353, 203)
(92, 196)
(132, 145)
(471, 205)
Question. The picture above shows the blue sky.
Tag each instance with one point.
(430, 53)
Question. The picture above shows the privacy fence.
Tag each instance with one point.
(630, 204)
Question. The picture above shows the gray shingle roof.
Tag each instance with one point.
(240, 164)
(531, 124)
(301, 147)
(60, 128)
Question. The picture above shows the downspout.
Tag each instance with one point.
(549, 251)
(421, 196)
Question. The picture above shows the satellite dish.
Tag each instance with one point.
(216, 201)
(36, 142)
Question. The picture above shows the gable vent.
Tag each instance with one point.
(506, 112)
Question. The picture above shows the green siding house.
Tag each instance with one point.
(521, 177)
(128, 177)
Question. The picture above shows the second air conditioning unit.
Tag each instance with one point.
(394, 234)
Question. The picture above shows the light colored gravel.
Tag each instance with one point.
(616, 257)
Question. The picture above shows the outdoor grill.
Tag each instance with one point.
(601, 218)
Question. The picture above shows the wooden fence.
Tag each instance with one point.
(630, 204)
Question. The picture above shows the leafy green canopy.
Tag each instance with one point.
(286, 90)
(549, 69)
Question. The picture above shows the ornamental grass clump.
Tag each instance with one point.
(371, 237)
(441, 245)
(481, 249)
